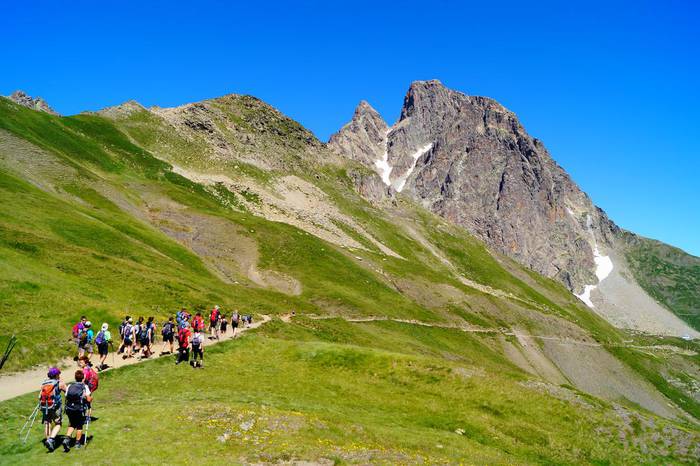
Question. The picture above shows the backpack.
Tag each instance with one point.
(197, 339)
(143, 332)
(181, 337)
(91, 379)
(100, 338)
(50, 395)
(214, 315)
(74, 397)
(76, 330)
(127, 331)
(198, 323)
(235, 317)
(82, 336)
(167, 329)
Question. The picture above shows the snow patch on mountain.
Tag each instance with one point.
(603, 267)
(401, 181)
(382, 165)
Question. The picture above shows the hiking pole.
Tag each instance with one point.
(10, 346)
(31, 417)
(87, 426)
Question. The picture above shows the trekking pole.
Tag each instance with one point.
(31, 418)
(87, 426)
(10, 346)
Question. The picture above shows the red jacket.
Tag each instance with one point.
(183, 337)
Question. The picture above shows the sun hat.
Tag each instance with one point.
(105, 326)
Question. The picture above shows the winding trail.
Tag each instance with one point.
(15, 384)
(20, 383)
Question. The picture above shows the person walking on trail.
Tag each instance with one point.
(214, 323)
(78, 397)
(128, 339)
(145, 335)
(183, 341)
(85, 339)
(103, 340)
(76, 331)
(50, 404)
(168, 334)
(197, 349)
(90, 378)
(198, 322)
(122, 326)
(137, 335)
(182, 316)
(235, 319)
(223, 324)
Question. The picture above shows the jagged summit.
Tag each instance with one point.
(25, 100)
(470, 160)
(122, 110)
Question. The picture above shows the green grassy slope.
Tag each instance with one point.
(668, 274)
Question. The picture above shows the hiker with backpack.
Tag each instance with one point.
(90, 378)
(128, 339)
(136, 331)
(145, 336)
(85, 339)
(183, 341)
(51, 406)
(75, 332)
(198, 322)
(78, 398)
(197, 349)
(168, 334)
(103, 340)
(121, 334)
(223, 324)
(214, 323)
(235, 318)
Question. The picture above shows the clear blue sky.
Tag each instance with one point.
(612, 88)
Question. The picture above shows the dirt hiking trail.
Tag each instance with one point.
(15, 384)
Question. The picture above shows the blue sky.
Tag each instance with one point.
(612, 88)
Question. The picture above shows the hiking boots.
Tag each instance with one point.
(66, 444)
(50, 445)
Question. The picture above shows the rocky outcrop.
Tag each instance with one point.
(38, 104)
(470, 160)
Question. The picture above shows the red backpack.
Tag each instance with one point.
(91, 379)
(198, 323)
(50, 395)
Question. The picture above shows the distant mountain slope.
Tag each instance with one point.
(469, 160)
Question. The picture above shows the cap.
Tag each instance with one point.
(53, 372)
(88, 324)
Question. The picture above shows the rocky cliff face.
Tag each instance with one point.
(39, 104)
(470, 160)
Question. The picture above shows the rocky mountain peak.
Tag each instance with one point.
(25, 100)
(469, 159)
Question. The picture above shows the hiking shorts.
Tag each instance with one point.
(51, 415)
(127, 342)
(103, 348)
(234, 324)
(169, 338)
(76, 419)
(197, 351)
(144, 341)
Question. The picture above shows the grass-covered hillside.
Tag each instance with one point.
(668, 274)
(411, 343)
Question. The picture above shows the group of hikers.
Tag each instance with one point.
(137, 339)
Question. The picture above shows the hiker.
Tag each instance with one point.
(50, 404)
(198, 322)
(90, 378)
(128, 339)
(145, 335)
(103, 340)
(183, 341)
(168, 334)
(182, 316)
(223, 324)
(77, 329)
(121, 333)
(214, 323)
(235, 318)
(78, 397)
(137, 335)
(197, 349)
(85, 339)
(247, 320)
